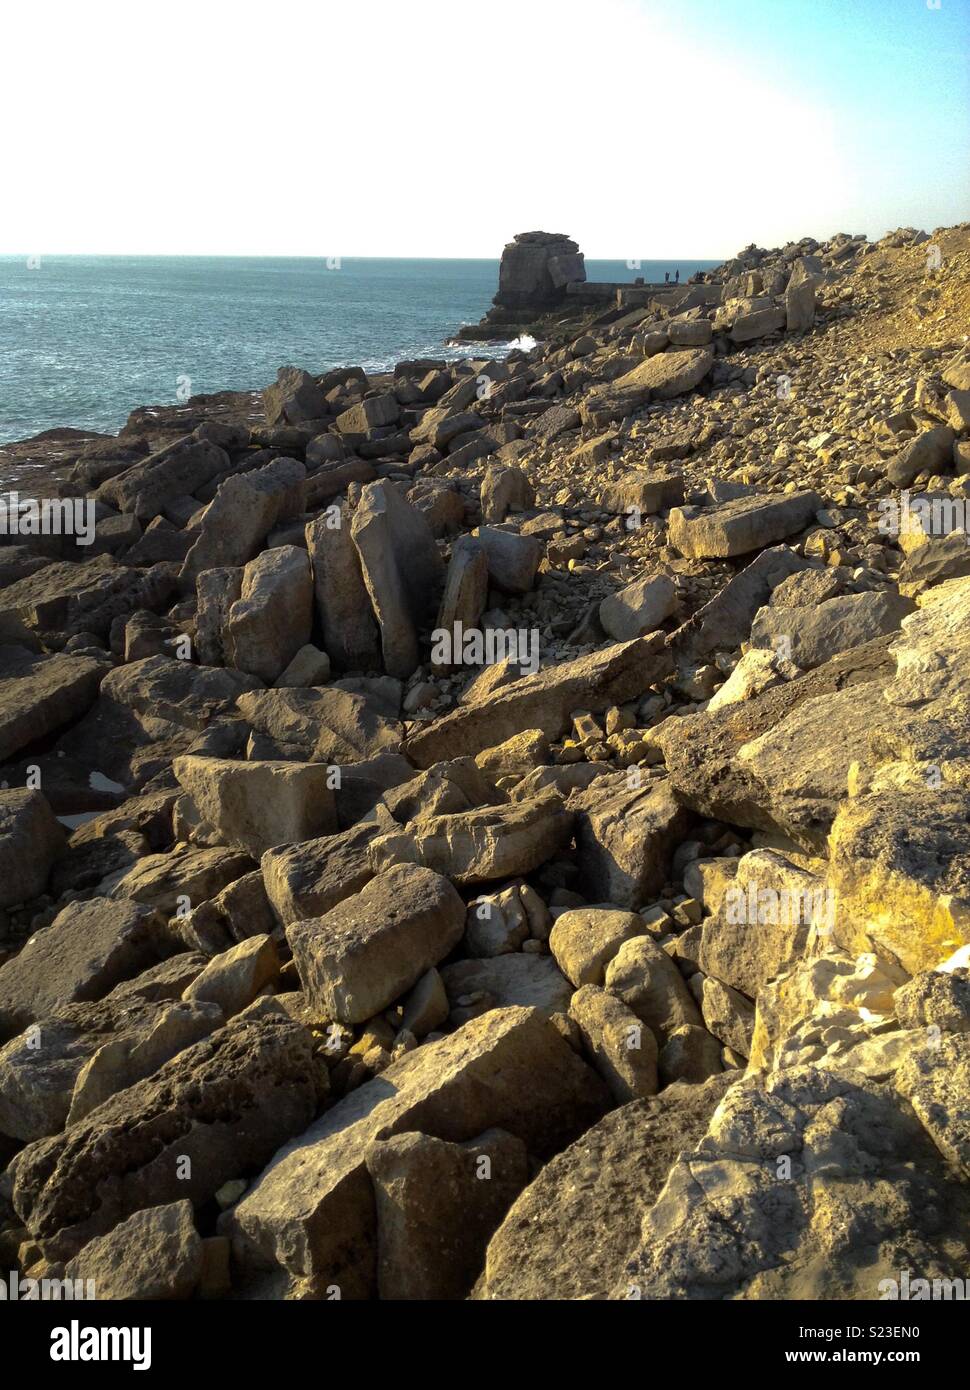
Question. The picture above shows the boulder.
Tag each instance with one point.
(243, 512)
(585, 940)
(324, 724)
(185, 877)
(216, 1111)
(64, 1065)
(255, 805)
(87, 949)
(154, 1254)
(522, 980)
(507, 489)
(350, 636)
(798, 1236)
(579, 1219)
(742, 525)
(372, 947)
(639, 608)
(809, 636)
(64, 599)
(479, 846)
(466, 586)
(294, 398)
(272, 618)
(511, 559)
(900, 870)
(622, 1049)
(643, 492)
(312, 1212)
(544, 700)
(625, 837)
(309, 878)
(30, 841)
(402, 571)
(234, 978)
(39, 695)
(644, 978)
(437, 1204)
(764, 921)
(176, 470)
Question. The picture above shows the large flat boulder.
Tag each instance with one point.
(312, 1212)
(545, 700)
(41, 694)
(67, 598)
(661, 377)
(323, 724)
(177, 470)
(742, 525)
(811, 635)
(255, 805)
(719, 766)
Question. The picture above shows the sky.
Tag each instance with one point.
(641, 128)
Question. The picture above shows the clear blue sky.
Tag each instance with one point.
(643, 128)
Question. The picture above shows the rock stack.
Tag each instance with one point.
(466, 829)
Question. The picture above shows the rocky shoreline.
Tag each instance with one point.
(501, 829)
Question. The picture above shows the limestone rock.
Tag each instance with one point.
(544, 700)
(256, 805)
(492, 842)
(639, 608)
(900, 869)
(646, 980)
(577, 1222)
(271, 619)
(155, 1254)
(87, 949)
(38, 695)
(30, 842)
(243, 512)
(402, 571)
(625, 838)
(312, 1211)
(350, 636)
(585, 940)
(224, 1104)
(371, 948)
(623, 1050)
(738, 527)
(437, 1204)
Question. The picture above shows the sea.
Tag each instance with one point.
(86, 339)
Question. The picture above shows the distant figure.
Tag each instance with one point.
(667, 278)
(677, 278)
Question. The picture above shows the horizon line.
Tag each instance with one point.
(308, 256)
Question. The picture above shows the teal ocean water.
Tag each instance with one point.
(86, 339)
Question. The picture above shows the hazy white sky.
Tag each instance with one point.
(643, 128)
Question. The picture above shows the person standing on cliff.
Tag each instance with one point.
(677, 278)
